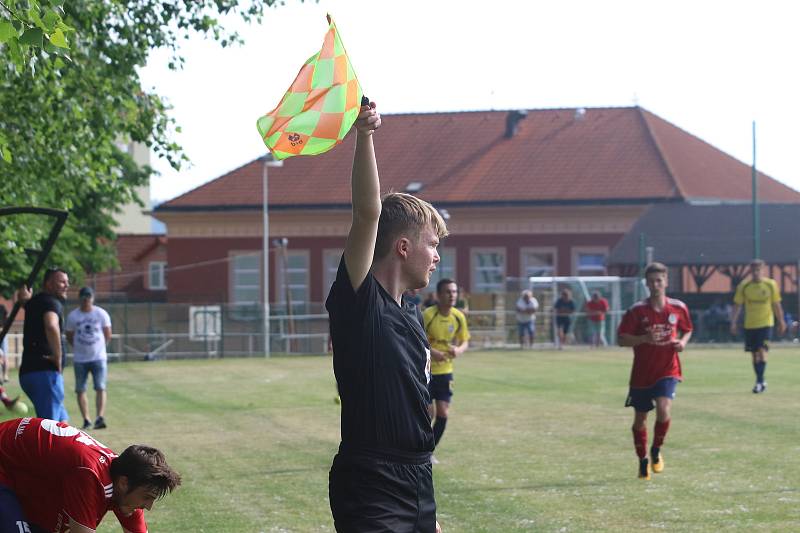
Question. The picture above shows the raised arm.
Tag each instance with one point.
(366, 195)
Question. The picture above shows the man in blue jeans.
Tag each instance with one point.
(42, 354)
(89, 331)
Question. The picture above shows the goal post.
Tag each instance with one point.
(620, 292)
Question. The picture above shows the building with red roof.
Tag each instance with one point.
(532, 192)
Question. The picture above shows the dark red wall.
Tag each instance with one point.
(207, 283)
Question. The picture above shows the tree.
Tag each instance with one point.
(71, 98)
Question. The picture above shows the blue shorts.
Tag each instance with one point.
(45, 388)
(757, 338)
(441, 387)
(10, 512)
(526, 327)
(563, 323)
(98, 370)
(643, 400)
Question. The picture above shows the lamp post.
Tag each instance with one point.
(282, 244)
(269, 161)
(445, 214)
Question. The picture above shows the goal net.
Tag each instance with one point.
(620, 293)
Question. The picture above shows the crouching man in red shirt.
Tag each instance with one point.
(657, 328)
(56, 478)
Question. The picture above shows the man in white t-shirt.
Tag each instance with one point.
(527, 306)
(88, 331)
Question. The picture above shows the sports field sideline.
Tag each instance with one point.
(537, 441)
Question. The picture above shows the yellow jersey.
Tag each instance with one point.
(757, 298)
(444, 331)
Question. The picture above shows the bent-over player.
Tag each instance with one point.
(56, 478)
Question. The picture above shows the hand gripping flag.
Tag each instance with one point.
(319, 108)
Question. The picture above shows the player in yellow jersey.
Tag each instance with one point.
(762, 306)
(447, 331)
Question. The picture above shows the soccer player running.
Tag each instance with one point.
(381, 478)
(657, 328)
(762, 305)
(56, 478)
(447, 331)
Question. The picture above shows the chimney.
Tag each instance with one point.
(512, 121)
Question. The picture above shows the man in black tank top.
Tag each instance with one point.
(381, 479)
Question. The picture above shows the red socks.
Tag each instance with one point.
(640, 442)
(660, 431)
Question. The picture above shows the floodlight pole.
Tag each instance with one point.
(269, 161)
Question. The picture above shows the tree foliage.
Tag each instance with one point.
(71, 100)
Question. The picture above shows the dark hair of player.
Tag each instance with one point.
(443, 283)
(145, 467)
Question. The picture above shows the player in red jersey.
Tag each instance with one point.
(657, 328)
(56, 478)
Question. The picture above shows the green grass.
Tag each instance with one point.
(537, 441)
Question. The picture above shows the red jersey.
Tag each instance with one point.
(597, 309)
(652, 362)
(59, 472)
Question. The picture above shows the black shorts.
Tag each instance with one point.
(757, 338)
(563, 323)
(370, 495)
(441, 387)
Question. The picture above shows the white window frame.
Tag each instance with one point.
(473, 260)
(280, 286)
(232, 255)
(452, 266)
(328, 276)
(577, 250)
(552, 250)
(162, 272)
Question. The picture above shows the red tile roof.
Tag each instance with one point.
(557, 155)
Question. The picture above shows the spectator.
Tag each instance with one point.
(596, 310)
(527, 306)
(40, 373)
(89, 331)
(564, 308)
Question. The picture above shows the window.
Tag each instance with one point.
(330, 265)
(488, 270)
(589, 261)
(292, 279)
(246, 279)
(157, 275)
(537, 262)
(445, 269)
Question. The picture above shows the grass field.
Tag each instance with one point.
(537, 441)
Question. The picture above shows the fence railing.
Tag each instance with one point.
(176, 331)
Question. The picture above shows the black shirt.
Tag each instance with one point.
(381, 358)
(564, 307)
(34, 339)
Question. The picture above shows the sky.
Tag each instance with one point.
(710, 67)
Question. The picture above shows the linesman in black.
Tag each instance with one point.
(381, 479)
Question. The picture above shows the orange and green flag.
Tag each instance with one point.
(319, 108)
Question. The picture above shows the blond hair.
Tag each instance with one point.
(404, 214)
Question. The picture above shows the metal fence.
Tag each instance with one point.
(152, 331)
